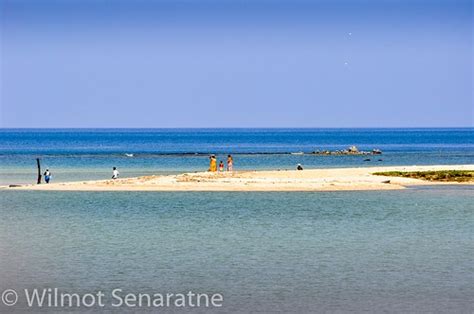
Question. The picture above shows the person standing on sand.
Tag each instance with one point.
(115, 173)
(47, 176)
(221, 166)
(212, 163)
(230, 163)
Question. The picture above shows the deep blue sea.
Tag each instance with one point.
(404, 251)
(78, 154)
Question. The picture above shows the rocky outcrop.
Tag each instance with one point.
(353, 150)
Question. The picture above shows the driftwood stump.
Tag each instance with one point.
(39, 171)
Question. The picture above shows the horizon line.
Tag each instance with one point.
(230, 128)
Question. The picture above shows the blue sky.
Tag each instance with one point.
(236, 63)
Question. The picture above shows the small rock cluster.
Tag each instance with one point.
(353, 150)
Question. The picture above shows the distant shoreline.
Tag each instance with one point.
(330, 179)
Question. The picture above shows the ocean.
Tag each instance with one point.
(276, 252)
(84, 154)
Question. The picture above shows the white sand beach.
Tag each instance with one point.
(340, 179)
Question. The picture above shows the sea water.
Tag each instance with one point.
(398, 251)
(84, 154)
(289, 252)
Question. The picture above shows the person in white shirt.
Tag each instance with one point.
(115, 173)
(47, 176)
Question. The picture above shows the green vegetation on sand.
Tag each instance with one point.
(441, 175)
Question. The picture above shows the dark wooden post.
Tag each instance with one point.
(39, 171)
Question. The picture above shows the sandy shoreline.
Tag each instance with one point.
(338, 179)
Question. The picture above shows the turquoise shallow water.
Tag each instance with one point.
(397, 251)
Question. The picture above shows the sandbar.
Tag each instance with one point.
(329, 179)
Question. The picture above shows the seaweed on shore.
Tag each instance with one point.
(440, 175)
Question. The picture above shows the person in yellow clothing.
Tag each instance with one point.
(212, 163)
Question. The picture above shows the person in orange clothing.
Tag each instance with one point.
(212, 163)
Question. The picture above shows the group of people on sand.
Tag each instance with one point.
(213, 164)
(212, 167)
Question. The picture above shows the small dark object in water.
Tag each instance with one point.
(380, 160)
(368, 159)
(386, 181)
(14, 185)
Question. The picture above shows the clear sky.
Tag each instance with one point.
(236, 63)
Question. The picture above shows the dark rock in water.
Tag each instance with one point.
(353, 150)
(14, 185)
(380, 160)
(368, 159)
